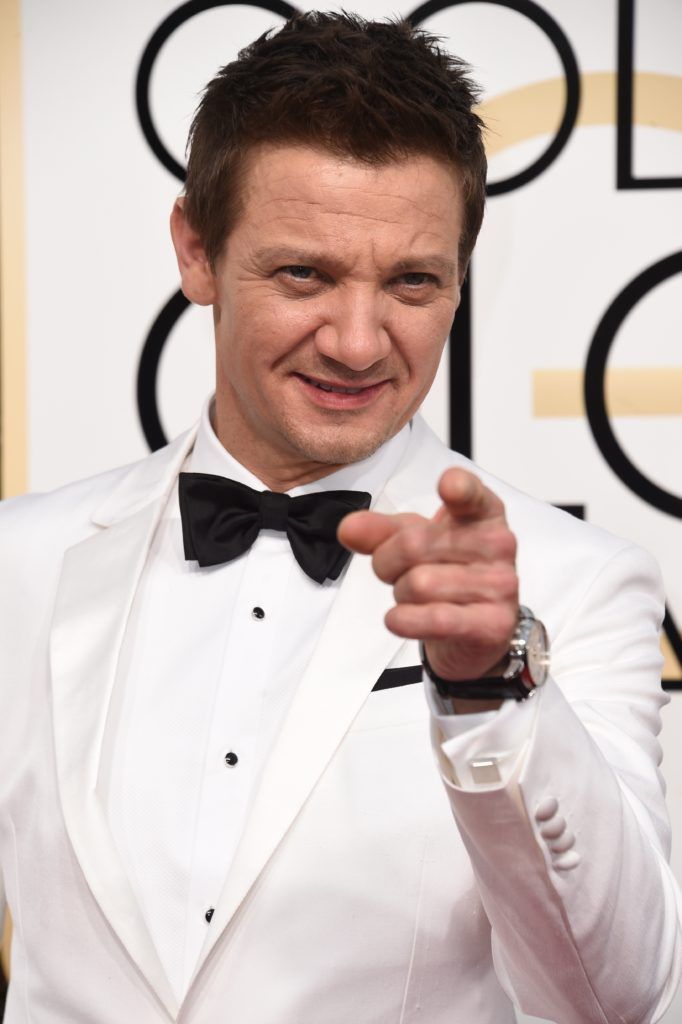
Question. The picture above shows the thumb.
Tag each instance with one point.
(365, 531)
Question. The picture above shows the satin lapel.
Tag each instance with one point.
(96, 589)
(353, 651)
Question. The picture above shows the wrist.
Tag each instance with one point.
(516, 677)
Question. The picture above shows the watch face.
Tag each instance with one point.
(537, 653)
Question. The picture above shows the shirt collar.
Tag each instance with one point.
(372, 474)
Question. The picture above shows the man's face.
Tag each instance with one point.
(334, 296)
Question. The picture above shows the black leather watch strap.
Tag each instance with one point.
(510, 687)
(517, 677)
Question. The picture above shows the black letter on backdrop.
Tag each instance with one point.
(624, 126)
(147, 398)
(595, 385)
(167, 27)
(461, 383)
(598, 417)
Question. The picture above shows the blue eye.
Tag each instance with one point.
(300, 272)
(416, 279)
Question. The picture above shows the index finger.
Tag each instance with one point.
(465, 496)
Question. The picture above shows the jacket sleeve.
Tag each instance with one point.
(570, 848)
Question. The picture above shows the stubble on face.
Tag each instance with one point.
(275, 332)
(302, 451)
(338, 444)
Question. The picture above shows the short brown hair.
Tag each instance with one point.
(374, 91)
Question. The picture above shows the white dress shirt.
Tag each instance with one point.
(209, 664)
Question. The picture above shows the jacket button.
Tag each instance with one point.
(209, 914)
(231, 759)
(257, 613)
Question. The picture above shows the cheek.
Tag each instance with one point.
(295, 321)
(278, 330)
(421, 336)
(263, 342)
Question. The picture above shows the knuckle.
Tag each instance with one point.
(504, 622)
(504, 582)
(442, 620)
(380, 567)
(411, 544)
(486, 543)
(420, 581)
(499, 542)
(509, 544)
(496, 503)
(493, 626)
(394, 620)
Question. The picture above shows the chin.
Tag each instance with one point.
(340, 446)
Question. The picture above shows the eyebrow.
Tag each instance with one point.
(294, 256)
(289, 254)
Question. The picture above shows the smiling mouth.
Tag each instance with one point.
(337, 389)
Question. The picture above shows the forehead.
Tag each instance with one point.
(302, 191)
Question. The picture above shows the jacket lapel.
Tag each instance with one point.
(352, 653)
(96, 588)
(98, 582)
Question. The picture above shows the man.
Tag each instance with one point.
(219, 799)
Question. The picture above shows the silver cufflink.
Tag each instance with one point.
(484, 771)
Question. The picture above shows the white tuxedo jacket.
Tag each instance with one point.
(354, 897)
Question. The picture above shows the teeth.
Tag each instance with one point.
(337, 391)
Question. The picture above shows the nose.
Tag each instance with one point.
(354, 333)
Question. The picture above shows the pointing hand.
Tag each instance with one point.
(453, 575)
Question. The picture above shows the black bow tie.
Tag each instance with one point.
(222, 518)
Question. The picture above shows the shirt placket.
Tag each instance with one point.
(231, 766)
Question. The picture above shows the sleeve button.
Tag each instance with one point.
(567, 861)
(546, 809)
(554, 828)
(563, 843)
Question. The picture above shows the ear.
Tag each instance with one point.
(198, 280)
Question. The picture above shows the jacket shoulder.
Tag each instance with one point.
(53, 520)
(50, 510)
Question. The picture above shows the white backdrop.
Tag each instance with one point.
(553, 255)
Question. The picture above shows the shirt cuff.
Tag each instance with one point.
(482, 751)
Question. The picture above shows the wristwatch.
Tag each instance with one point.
(516, 677)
